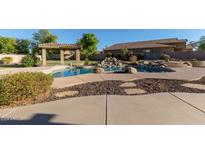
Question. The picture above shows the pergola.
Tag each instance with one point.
(62, 48)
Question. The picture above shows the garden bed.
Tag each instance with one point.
(115, 88)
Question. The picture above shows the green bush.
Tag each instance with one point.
(86, 61)
(140, 56)
(165, 57)
(109, 54)
(7, 60)
(22, 86)
(29, 61)
(133, 59)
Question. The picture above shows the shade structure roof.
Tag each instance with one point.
(59, 46)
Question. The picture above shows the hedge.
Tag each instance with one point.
(27, 61)
(22, 86)
(7, 60)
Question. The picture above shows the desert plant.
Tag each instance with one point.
(124, 51)
(86, 61)
(165, 57)
(109, 54)
(7, 60)
(119, 56)
(140, 56)
(133, 59)
(23, 86)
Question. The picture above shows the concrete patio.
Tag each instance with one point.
(161, 108)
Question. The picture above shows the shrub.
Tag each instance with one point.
(28, 61)
(165, 57)
(7, 60)
(109, 54)
(36, 60)
(86, 61)
(119, 56)
(140, 57)
(23, 86)
(133, 59)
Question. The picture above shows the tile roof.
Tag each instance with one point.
(58, 46)
(162, 43)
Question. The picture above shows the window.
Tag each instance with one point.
(147, 51)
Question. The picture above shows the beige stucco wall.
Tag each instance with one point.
(16, 57)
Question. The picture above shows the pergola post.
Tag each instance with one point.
(44, 57)
(62, 56)
(77, 57)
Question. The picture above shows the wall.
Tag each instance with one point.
(16, 58)
(200, 55)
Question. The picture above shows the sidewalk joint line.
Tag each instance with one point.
(106, 109)
(187, 103)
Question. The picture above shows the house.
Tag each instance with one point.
(151, 46)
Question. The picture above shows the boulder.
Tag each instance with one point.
(198, 63)
(99, 70)
(188, 63)
(131, 70)
(146, 62)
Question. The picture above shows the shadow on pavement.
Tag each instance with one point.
(37, 119)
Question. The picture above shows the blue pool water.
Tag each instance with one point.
(78, 71)
(152, 69)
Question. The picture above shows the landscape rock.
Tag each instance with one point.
(134, 91)
(66, 93)
(128, 84)
(131, 70)
(188, 63)
(145, 62)
(99, 70)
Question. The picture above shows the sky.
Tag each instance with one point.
(108, 37)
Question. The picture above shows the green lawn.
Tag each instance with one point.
(49, 63)
(67, 62)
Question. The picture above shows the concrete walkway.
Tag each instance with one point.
(161, 108)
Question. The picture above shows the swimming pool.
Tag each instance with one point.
(80, 70)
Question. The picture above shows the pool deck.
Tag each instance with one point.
(180, 74)
(44, 69)
(159, 109)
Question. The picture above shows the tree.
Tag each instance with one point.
(7, 45)
(199, 45)
(88, 44)
(42, 36)
(23, 46)
(124, 51)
